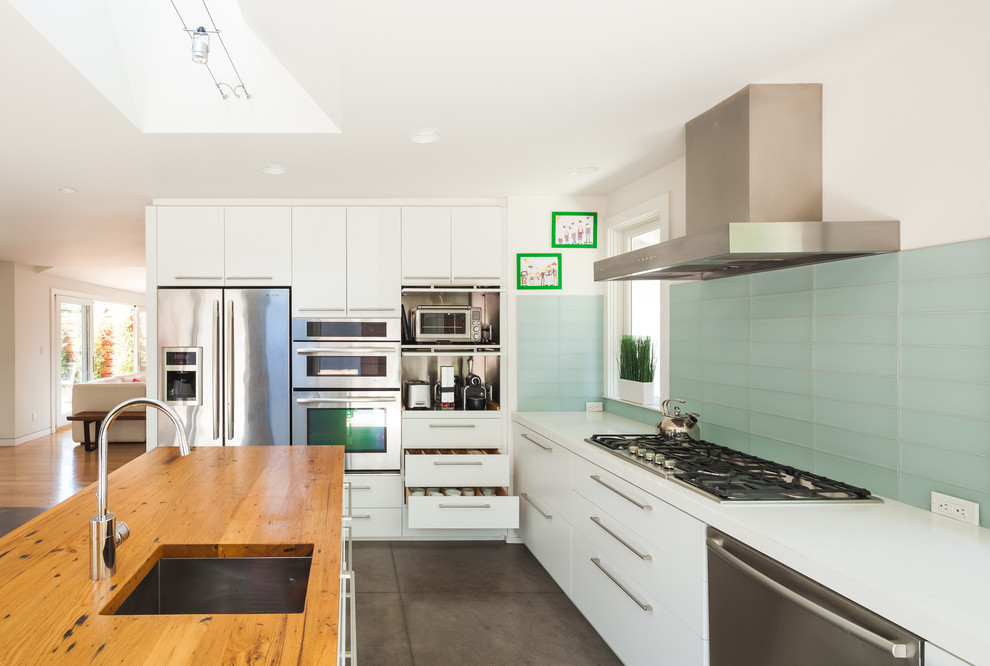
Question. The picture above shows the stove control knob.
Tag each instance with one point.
(670, 463)
(641, 453)
(633, 449)
(649, 456)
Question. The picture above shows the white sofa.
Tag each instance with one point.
(104, 395)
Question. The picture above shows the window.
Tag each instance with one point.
(637, 307)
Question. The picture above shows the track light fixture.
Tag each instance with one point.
(200, 38)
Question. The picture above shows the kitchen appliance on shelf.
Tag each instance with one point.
(417, 394)
(724, 474)
(762, 613)
(446, 323)
(346, 389)
(446, 388)
(224, 365)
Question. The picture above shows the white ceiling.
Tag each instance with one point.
(521, 90)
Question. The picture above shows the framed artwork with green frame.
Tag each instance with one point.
(538, 270)
(574, 230)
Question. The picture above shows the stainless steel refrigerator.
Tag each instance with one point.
(223, 365)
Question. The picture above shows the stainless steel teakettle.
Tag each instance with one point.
(677, 424)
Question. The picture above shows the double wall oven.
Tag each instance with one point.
(346, 389)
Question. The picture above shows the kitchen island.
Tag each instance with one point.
(225, 500)
(924, 572)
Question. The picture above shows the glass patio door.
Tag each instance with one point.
(75, 350)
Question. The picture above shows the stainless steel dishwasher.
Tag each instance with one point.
(762, 613)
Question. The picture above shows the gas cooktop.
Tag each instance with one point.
(725, 474)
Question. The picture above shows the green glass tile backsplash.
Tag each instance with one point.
(873, 371)
(560, 341)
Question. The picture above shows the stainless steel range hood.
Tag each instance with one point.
(754, 195)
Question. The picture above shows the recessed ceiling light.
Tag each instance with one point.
(424, 135)
(273, 169)
(65, 189)
(581, 170)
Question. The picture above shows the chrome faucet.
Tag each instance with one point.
(105, 533)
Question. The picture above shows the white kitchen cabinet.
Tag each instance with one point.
(464, 431)
(375, 502)
(452, 246)
(190, 246)
(546, 533)
(319, 261)
(476, 255)
(257, 246)
(543, 466)
(239, 246)
(373, 262)
(936, 656)
(638, 628)
(426, 245)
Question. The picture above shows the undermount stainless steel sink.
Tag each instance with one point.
(190, 585)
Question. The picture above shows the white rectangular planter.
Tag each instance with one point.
(639, 392)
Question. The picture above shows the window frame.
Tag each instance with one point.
(619, 228)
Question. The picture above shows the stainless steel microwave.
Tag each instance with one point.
(446, 323)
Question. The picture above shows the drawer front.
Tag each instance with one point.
(451, 433)
(682, 593)
(547, 535)
(543, 466)
(674, 532)
(376, 523)
(479, 512)
(375, 490)
(453, 469)
(613, 601)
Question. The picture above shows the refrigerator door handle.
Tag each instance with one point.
(216, 370)
(229, 388)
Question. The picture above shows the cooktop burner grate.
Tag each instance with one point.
(728, 474)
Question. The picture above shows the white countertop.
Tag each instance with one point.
(930, 574)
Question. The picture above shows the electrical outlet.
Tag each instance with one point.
(592, 406)
(34, 416)
(953, 507)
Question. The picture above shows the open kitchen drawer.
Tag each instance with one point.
(460, 468)
(456, 467)
(464, 512)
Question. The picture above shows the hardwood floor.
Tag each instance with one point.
(47, 470)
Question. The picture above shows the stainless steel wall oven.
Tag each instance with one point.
(346, 389)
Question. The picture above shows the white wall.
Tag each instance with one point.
(907, 134)
(671, 179)
(30, 380)
(6, 350)
(529, 228)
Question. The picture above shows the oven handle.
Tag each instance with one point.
(308, 351)
(896, 650)
(317, 401)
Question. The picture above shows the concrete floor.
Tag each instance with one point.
(465, 602)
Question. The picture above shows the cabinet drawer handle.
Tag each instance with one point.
(321, 309)
(364, 515)
(643, 556)
(198, 277)
(250, 277)
(476, 277)
(452, 425)
(465, 506)
(644, 507)
(372, 309)
(427, 277)
(598, 563)
(545, 448)
(526, 497)
(360, 487)
(438, 463)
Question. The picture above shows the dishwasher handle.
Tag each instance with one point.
(896, 650)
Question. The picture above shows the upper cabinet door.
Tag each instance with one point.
(374, 254)
(319, 261)
(190, 246)
(476, 245)
(425, 246)
(258, 246)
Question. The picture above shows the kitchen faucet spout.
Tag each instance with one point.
(105, 533)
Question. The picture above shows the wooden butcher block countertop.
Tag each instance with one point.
(216, 497)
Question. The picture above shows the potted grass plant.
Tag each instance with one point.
(637, 366)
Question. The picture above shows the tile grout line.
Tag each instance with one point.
(402, 605)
